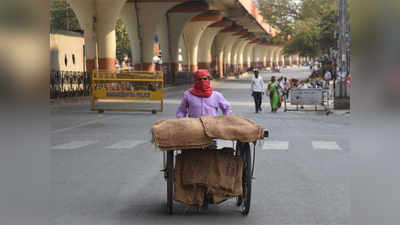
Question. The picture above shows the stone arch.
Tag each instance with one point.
(105, 14)
(210, 52)
(181, 31)
(193, 31)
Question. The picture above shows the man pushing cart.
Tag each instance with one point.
(198, 173)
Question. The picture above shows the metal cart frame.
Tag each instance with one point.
(243, 150)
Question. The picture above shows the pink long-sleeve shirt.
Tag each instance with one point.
(196, 106)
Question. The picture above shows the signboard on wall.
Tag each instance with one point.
(311, 96)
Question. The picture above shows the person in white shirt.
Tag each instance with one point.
(284, 84)
(327, 77)
(257, 89)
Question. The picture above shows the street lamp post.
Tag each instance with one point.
(342, 56)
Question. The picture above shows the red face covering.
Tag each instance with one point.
(201, 88)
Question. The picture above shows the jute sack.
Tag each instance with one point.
(225, 173)
(191, 194)
(226, 178)
(196, 165)
(232, 127)
(185, 133)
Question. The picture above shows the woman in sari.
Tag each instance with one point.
(274, 97)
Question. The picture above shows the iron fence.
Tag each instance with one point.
(69, 84)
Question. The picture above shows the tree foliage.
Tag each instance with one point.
(59, 16)
(122, 38)
(307, 26)
(282, 15)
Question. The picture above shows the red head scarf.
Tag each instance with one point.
(201, 88)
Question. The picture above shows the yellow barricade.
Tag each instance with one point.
(127, 85)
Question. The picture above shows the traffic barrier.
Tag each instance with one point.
(131, 86)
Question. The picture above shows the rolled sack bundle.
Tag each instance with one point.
(198, 133)
(175, 134)
(232, 127)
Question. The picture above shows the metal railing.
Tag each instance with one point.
(69, 84)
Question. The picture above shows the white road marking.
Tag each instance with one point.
(81, 124)
(125, 144)
(326, 145)
(73, 145)
(276, 145)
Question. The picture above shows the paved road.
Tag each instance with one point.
(105, 171)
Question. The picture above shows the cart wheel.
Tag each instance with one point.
(246, 156)
(100, 111)
(239, 201)
(170, 181)
(154, 112)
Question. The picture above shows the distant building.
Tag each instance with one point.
(67, 51)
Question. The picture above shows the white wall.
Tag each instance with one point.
(67, 45)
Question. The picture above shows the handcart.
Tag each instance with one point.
(241, 150)
(312, 97)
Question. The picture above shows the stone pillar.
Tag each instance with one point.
(230, 40)
(204, 50)
(205, 58)
(182, 29)
(220, 42)
(128, 16)
(248, 55)
(269, 51)
(193, 31)
(258, 55)
(85, 12)
(241, 55)
(236, 57)
(107, 14)
(277, 55)
(265, 55)
(98, 19)
(153, 21)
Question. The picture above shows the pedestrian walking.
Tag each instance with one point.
(327, 78)
(284, 85)
(257, 90)
(274, 97)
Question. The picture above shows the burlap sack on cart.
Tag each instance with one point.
(185, 133)
(196, 166)
(190, 194)
(218, 171)
(225, 176)
(232, 127)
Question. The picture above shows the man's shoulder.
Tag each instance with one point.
(187, 93)
(218, 94)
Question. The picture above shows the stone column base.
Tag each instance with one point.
(193, 67)
(107, 64)
(204, 65)
(90, 66)
(138, 67)
(148, 67)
